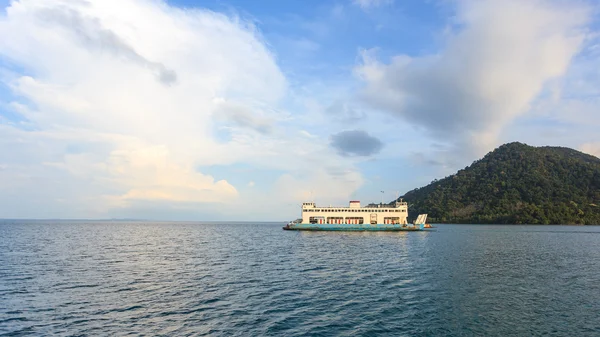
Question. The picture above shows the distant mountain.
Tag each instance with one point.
(516, 184)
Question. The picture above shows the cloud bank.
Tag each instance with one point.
(495, 61)
(122, 103)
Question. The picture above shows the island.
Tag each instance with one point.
(516, 184)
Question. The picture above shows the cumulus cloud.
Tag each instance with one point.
(89, 31)
(495, 62)
(355, 143)
(88, 82)
(118, 101)
(242, 116)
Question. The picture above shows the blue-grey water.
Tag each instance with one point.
(180, 279)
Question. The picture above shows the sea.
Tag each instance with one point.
(110, 278)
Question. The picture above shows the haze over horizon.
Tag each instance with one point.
(241, 110)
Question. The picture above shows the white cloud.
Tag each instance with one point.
(242, 116)
(497, 61)
(128, 98)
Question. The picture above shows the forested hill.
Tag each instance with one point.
(516, 184)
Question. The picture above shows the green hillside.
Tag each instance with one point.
(516, 184)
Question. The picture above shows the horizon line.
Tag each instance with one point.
(129, 219)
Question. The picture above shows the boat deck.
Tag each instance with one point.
(354, 227)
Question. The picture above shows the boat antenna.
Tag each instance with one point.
(382, 197)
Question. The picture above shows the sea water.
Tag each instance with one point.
(255, 279)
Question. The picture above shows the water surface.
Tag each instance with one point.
(254, 279)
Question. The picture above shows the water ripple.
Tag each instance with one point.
(187, 279)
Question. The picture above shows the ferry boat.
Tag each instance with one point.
(356, 218)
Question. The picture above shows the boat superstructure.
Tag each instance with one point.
(379, 217)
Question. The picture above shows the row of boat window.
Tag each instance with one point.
(351, 220)
(356, 210)
(392, 218)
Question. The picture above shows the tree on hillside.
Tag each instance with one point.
(516, 184)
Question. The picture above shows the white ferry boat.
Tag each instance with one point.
(356, 218)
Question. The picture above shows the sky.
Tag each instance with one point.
(242, 110)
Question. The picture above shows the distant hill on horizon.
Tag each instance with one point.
(516, 184)
(73, 219)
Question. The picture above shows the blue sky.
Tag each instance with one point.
(241, 110)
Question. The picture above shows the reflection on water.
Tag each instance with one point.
(256, 279)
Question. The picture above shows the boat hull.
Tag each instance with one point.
(354, 227)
